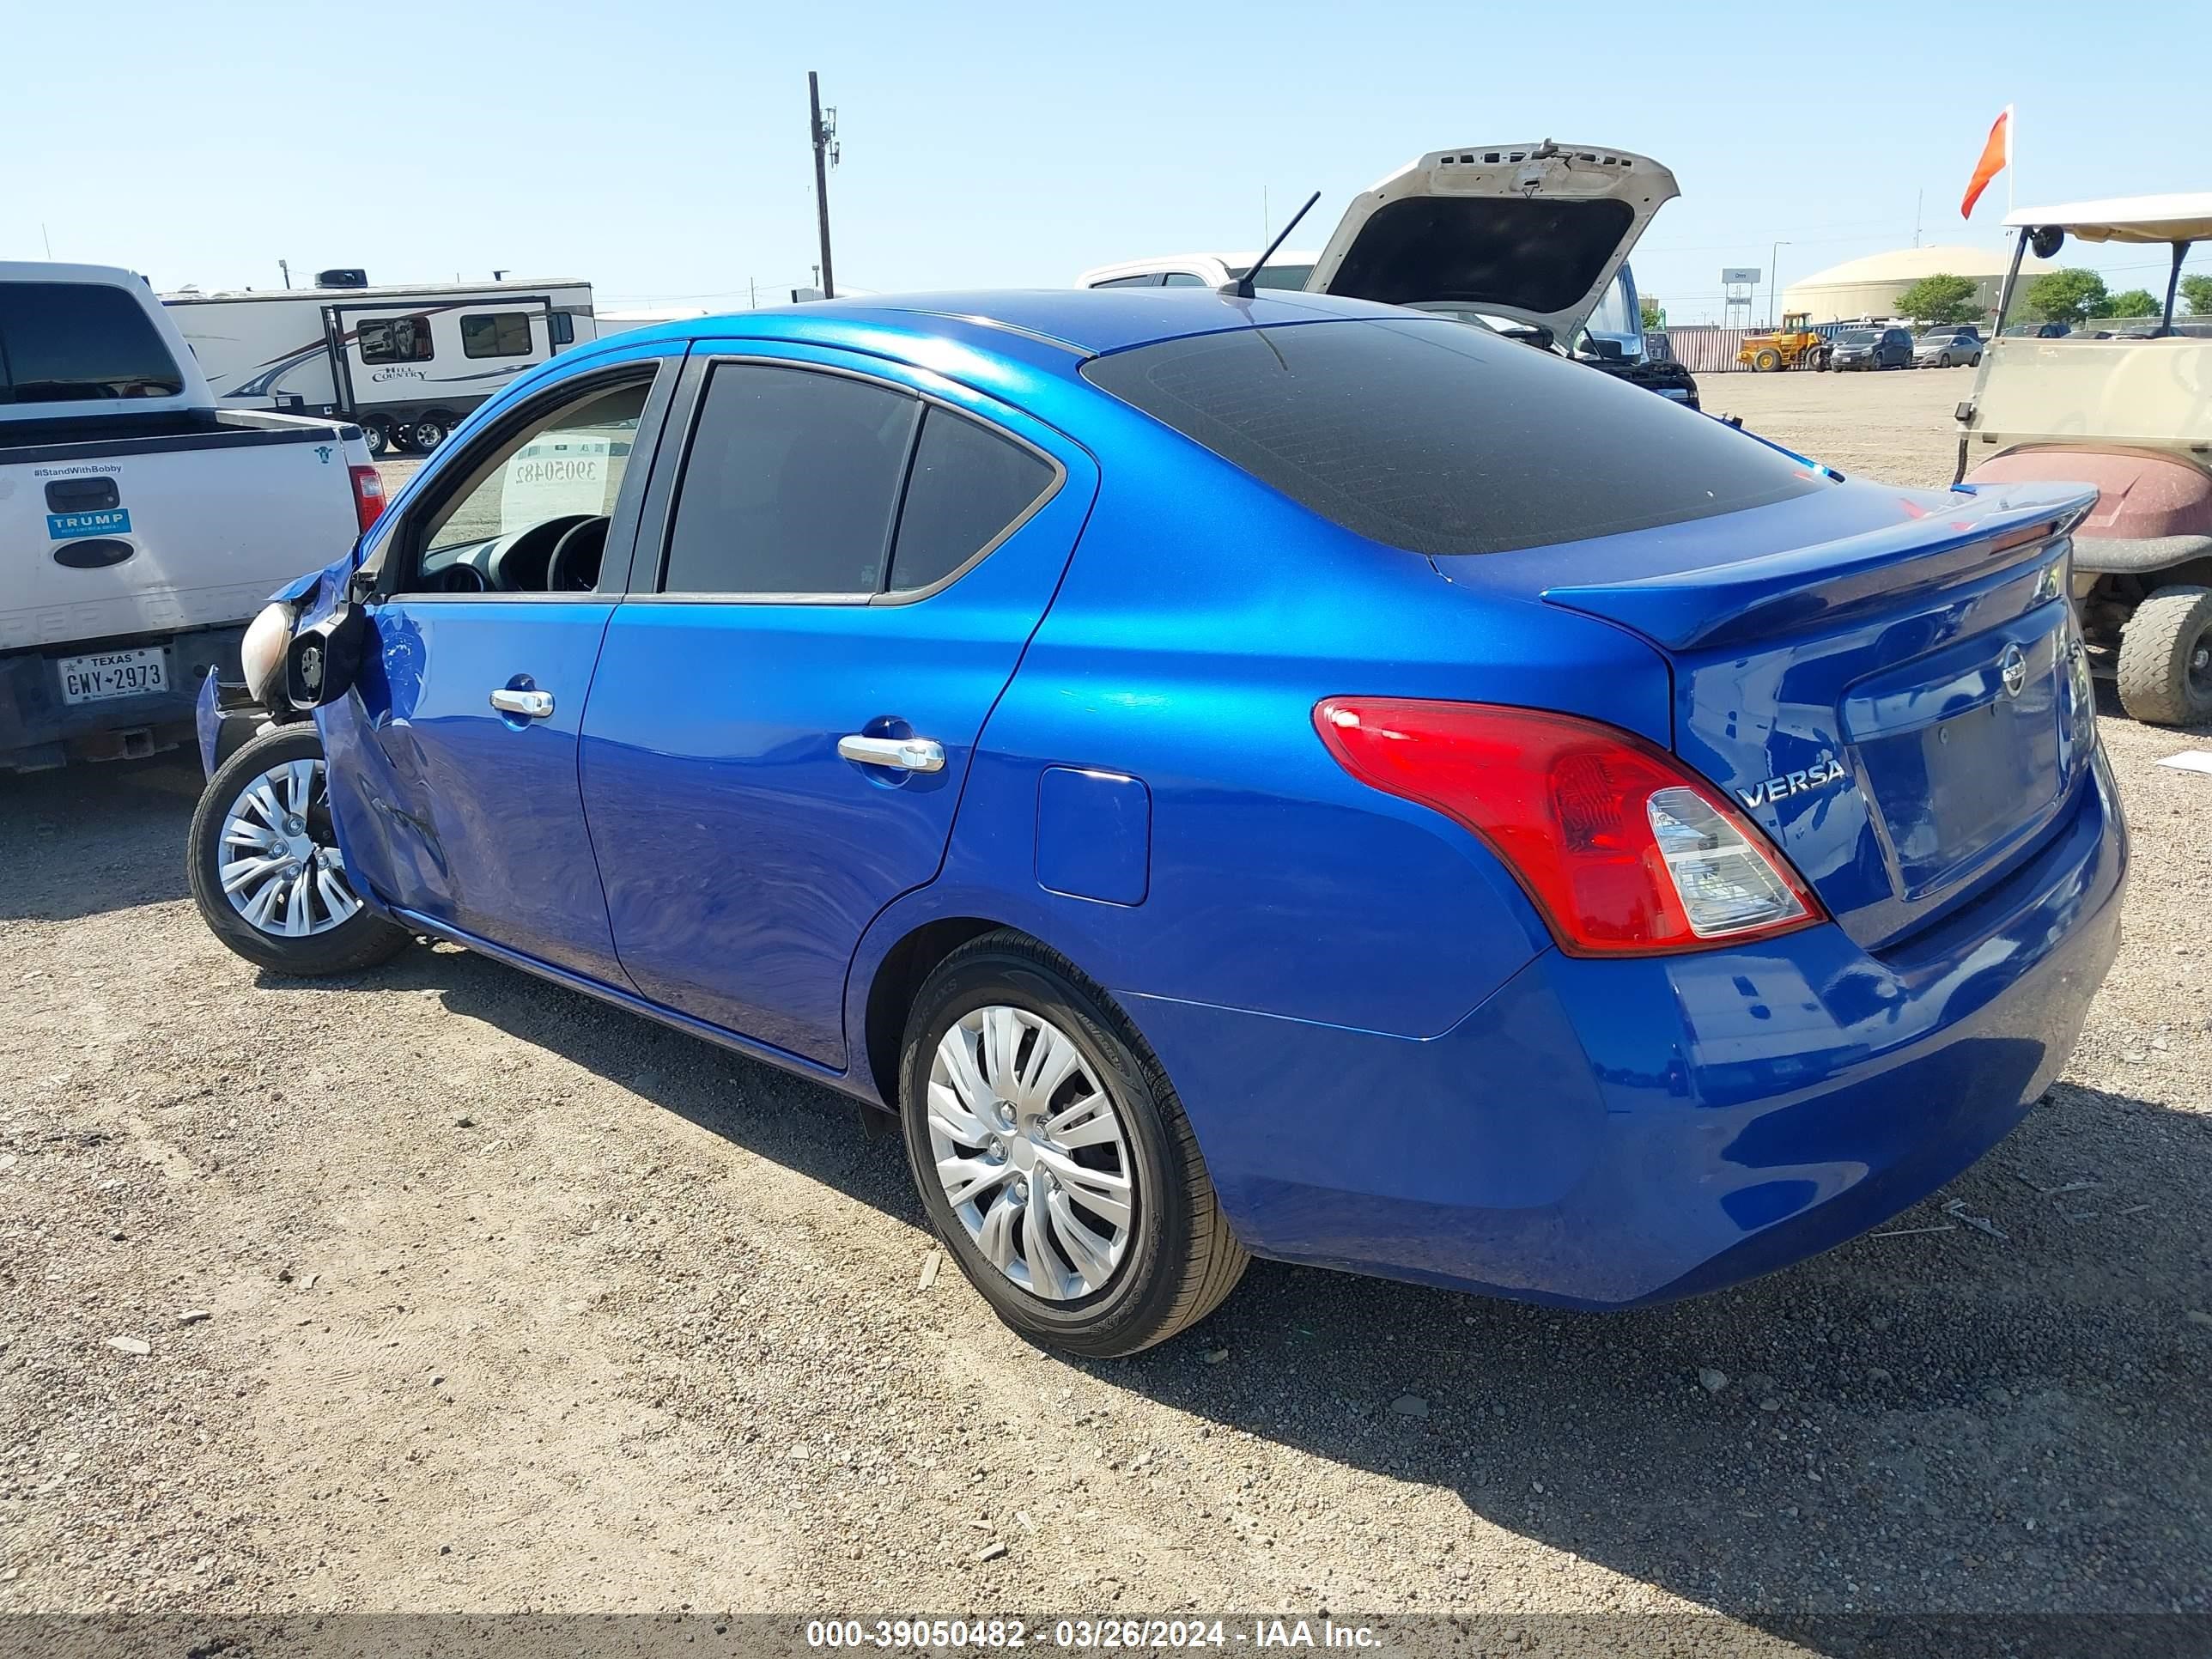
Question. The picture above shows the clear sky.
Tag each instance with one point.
(658, 148)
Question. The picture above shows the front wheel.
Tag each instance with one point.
(1766, 360)
(265, 868)
(377, 435)
(2166, 658)
(1054, 1157)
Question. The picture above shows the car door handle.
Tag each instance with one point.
(905, 754)
(533, 705)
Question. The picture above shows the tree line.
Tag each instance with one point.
(2072, 296)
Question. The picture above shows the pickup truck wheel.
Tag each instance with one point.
(2166, 658)
(265, 868)
(1054, 1159)
(430, 430)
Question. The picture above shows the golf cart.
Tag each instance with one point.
(2132, 416)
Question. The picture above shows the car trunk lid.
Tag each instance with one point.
(1903, 708)
(1532, 233)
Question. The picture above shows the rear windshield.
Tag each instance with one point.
(1444, 439)
(62, 343)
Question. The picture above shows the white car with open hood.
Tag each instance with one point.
(1531, 238)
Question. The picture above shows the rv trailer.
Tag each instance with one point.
(404, 362)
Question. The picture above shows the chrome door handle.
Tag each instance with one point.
(534, 705)
(905, 754)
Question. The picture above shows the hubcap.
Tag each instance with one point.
(280, 863)
(1032, 1156)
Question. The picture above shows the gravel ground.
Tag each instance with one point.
(443, 1288)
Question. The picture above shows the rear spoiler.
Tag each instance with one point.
(1829, 582)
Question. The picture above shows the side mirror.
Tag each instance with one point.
(2046, 239)
(322, 662)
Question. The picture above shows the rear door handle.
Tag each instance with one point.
(902, 754)
(532, 705)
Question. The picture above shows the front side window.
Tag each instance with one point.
(496, 334)
(1445, 440)
(790, 483)
(394, 339)
(64, 342)
(967, 488)
(501, 528)
(1152, 279)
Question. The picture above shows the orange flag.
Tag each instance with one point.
(1996, 156)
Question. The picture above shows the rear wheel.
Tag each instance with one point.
(430, 430)
(1054, 1159)
(264, 865)
(2166, 658)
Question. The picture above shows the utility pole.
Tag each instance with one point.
(825, 135)
(285, 265)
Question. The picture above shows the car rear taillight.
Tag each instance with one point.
(368, 495)
(1624, 850)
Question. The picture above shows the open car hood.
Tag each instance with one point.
(1530, 232)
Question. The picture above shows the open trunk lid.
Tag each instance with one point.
(1530, 232)
(1904, 708)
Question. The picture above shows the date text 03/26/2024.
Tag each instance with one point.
(1090, 1634)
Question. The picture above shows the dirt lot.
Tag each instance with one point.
(512, 1301)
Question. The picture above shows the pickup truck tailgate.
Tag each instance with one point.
(107, 536)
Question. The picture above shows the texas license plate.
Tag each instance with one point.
(112, 674)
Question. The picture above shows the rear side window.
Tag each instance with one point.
(394, 339)
(969, 486)
(64, 343)
(1444, 439)
(1150, 280)
(496, 334)
(790, 483)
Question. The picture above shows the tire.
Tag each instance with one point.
(2166, 658)
(1765, 360)
(430, 430)
(1174, 1258)
(331, 944)
(377, 435)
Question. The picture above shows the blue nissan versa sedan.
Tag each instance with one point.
(1286, 776)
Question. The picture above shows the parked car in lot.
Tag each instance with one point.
(1872, 348)
(1452, 233)
(1949, 348)
(1231, 775)
(139, 526)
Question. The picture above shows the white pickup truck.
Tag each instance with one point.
(140, 526)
